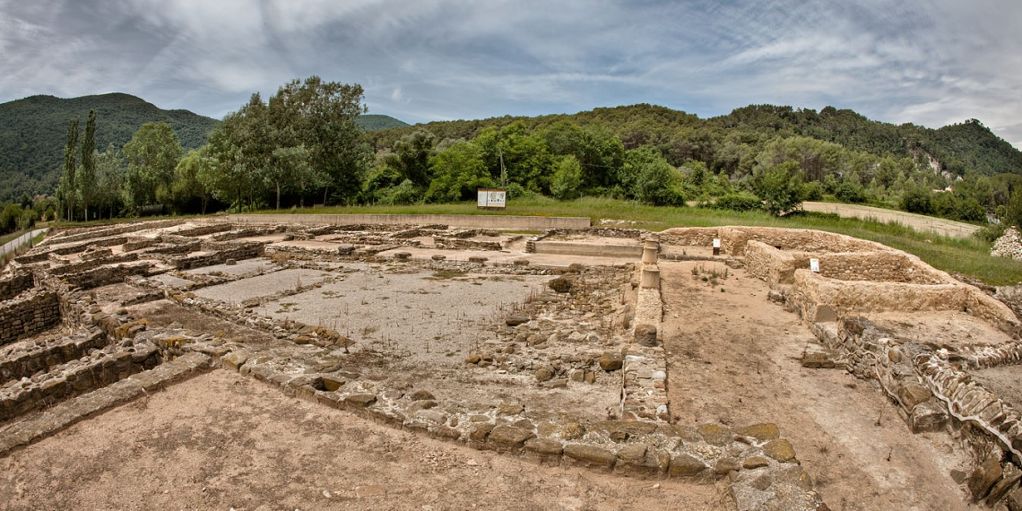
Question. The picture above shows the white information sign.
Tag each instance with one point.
(491, 198)
(716, 242)
(814, 265)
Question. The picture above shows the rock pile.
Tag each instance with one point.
(1009, 244)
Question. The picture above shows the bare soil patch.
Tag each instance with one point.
(220, 441)
(733, 358)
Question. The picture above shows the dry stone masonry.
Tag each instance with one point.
(549, 348)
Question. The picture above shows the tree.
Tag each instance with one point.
(66, 188)
(321, 115)
(188, 182)
(780, 188)
(152, 155)
(292, 167)
(567, 179)
(110, 171)
(656, 182)
(1013, 210)
(410, 157)
(86, 180)
(458, 171)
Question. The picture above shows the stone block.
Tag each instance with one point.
(590, 455)
(685, 465)
(780, 450)
(505, 437)
(763, 431)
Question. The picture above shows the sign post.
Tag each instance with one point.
(491, 198)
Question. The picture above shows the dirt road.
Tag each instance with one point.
(921, 223)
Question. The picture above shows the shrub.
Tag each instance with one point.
(780, 188)
(567, 178)
(738, 201)
(812, 190)
(850, 192)
(917, 200)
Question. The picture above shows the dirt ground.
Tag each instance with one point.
(918, 222)
(733, 358)
(221, 441)
(1004, 381)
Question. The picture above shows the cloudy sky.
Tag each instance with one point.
(927, 62)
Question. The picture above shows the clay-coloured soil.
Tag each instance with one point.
(221, 440)
(733, 358)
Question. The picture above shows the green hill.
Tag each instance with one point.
(960, 148)
(33, 130)
(376, 122)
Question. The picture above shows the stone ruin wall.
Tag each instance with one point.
(934, 394)
(778, 266)
(221, 255)
(27, 314)
(818, 298)
(13, 286)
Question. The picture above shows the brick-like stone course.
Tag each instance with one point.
(28, 314)
(237, 252)
(13, 286)
(27, 357)
(106, 275)
(69, 412)
(97, 369)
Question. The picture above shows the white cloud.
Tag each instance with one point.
(929, 62)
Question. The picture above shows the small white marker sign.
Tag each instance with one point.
(716, 242)
(814, 265)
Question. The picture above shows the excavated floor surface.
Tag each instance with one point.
(223, 441)
(733, 357)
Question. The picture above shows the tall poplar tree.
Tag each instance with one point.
(86, 182)
(67, 180)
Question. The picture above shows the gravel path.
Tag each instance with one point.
(923, 223)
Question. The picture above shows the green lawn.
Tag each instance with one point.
(970, 257)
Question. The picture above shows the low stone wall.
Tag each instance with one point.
(91, 264)
(89, 233)
(62, 415)
(173, 247)
(818, 298)
(245, 233)
(105, 275)
(139, 244)
(23, 359)
(735, 239)
(587, 249)
(626, 447)
(455, 243)
(770, 264)
(532, 223)
(82, 247)
(203, 230)
(237, 253)
(28, 314)
(15, 285)
(778, 266)
(690, 236)
(98, 369)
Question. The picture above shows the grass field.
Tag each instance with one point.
(970, 257)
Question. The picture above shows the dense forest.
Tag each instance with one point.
(312, 142)
(32, 132)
